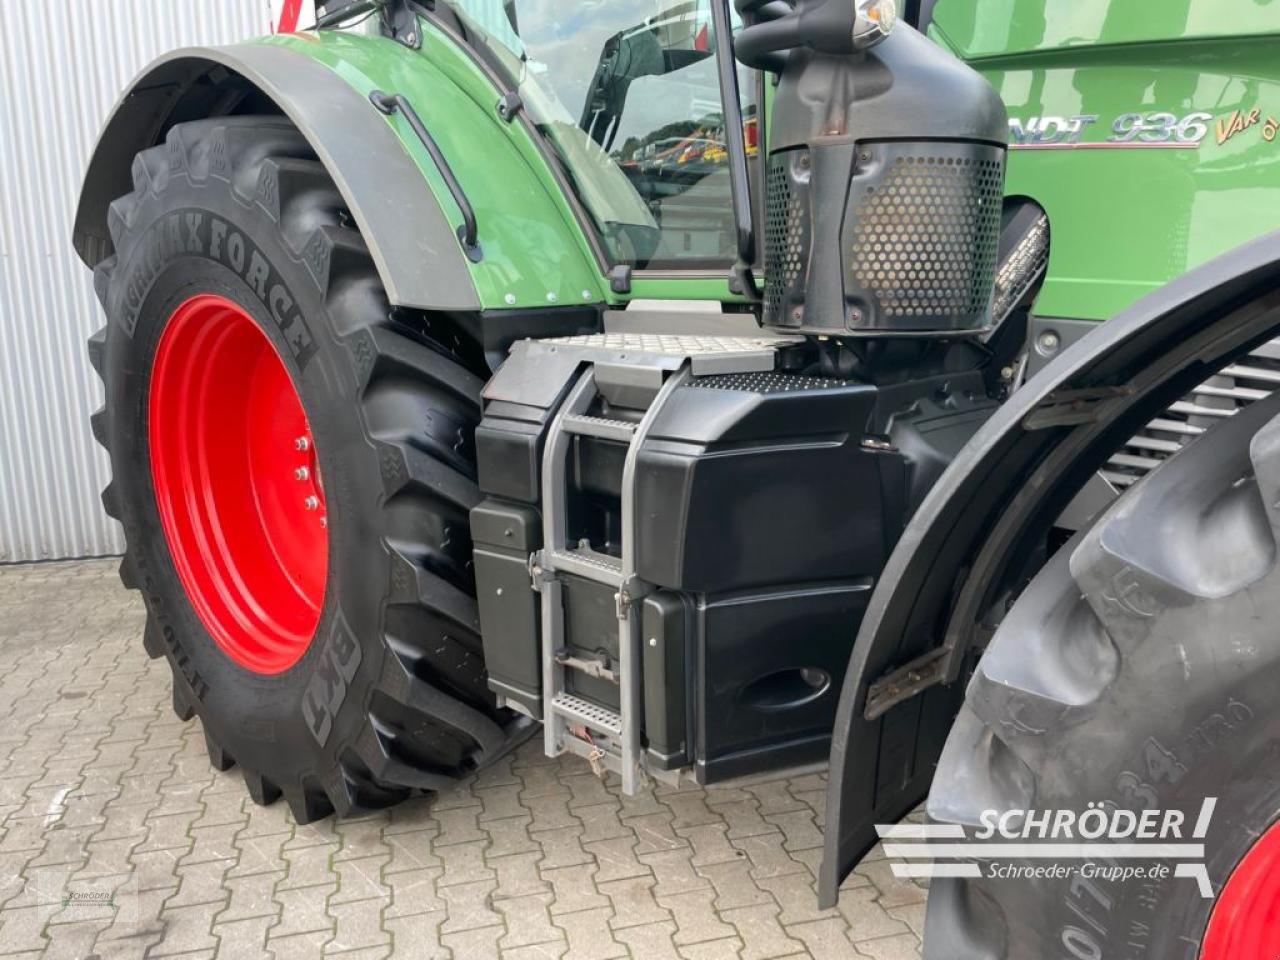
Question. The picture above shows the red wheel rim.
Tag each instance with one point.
(237, 484)
(1245, 923)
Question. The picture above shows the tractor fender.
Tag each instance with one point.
(974, 540)
(415, 250)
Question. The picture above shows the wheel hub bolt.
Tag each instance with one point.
(301, 473)
(302, 443)
(311, 503)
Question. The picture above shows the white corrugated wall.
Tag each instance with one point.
(62, 66)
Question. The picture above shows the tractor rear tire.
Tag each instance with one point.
(293, 468)
(1138, 671)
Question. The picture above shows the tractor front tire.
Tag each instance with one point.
(1138, 671)
(293, 469)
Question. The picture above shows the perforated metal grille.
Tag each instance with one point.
(672, 344)
(771, 382)
(1021, 268)
(784, 238)
(587, 712)
(925, 235)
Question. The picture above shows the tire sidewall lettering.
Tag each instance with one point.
(195, 232)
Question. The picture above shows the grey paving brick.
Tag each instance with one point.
(651, 941)
(480, 943)
(359, 880)
(633, 902)
(726, 949)
(575, 889)
(825, 939)
(616, 859)
(302, 910)
(509, 836)
(468, 906)
(464, 863)
(761, 934)
(250, 897)
(519, 875)
(589, 936)
(187, 929)
(300, 946)
(357, 926)
(412, 891)
(245, 938)
(417, 935)
(734, 886)
(901, 947)
(528, 921)
(696, 917)
(103, 788)
(542, 951)
(601, 821)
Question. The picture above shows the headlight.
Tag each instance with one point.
(873, 19)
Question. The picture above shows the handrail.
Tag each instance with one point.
(739, 180)
(388, 103)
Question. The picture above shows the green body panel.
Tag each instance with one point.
(1127, 217)
(535, 253)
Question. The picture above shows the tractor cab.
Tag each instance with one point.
(627, 94)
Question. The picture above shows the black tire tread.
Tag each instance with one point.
(268, 163)
(1071, 634)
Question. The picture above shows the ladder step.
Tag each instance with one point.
(588, 714)
(603, 427)
(588, 564)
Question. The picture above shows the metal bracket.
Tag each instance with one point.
(1069, 408)
(620, 278)
(509, 106)
(633, 590)
(334, 12)
(400, 22)
(906, 681)
(596, 665)
(539, 575)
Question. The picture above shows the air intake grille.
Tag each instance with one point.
(926, 233)
(1247, 381)
(785, 239)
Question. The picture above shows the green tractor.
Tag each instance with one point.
(711, 388)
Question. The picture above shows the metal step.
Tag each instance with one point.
(585, 563)
(588, 714)
(558, 559)
(602, 427)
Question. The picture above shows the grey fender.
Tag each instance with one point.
(414, 249)
(975, 539)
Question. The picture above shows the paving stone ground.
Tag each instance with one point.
(117, 839)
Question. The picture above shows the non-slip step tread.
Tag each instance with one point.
(602, 427)
(585, 712)
(600, 567)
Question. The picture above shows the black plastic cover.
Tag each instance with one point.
(504, 534)
(665, 620)
(907, 87)
(759, 479)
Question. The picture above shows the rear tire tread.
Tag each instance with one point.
(1125, 600)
